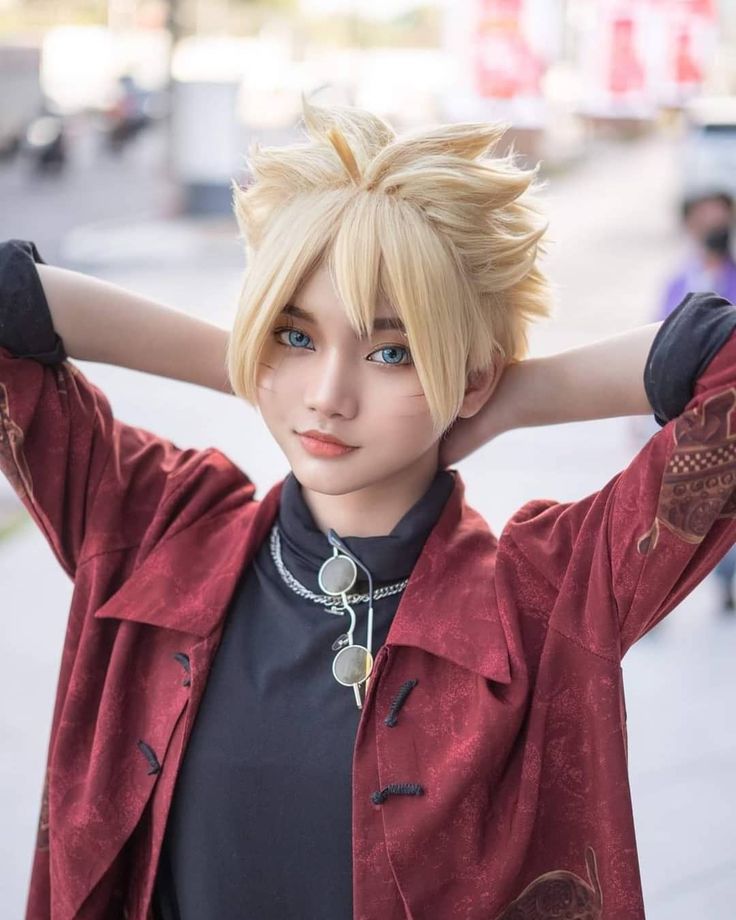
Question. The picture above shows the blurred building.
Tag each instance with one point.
(555, 70)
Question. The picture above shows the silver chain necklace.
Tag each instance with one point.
(325, 600)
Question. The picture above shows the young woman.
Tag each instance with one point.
(349, 698)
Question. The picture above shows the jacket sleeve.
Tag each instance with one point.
(91, 483)
(645, 540)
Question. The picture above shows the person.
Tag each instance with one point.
(127, 116)
(349, 697)
(708, 218)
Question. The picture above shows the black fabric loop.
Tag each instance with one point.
(684, 345)
(26, 324)
(380, 796)
(148, 753)
(184, 662)
(399, 700)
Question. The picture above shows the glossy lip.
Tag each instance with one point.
(324, 449)
(321, 436)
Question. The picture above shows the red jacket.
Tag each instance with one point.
(515, 730)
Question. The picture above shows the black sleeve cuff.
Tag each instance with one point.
(684, 346)
(26, 325)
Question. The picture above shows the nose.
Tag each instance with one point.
(331, 386)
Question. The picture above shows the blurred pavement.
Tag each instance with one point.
(612, 222)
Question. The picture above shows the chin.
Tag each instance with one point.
(325, 476)
(326, 481)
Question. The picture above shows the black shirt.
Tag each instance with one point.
(261, 822)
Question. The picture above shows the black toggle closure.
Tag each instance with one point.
(404, 691)
(379, 797)
(150, 757)
(184, 662)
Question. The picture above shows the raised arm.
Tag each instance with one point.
(619, 376)
(99, 321)
(93, 483)
(625, 556)
(602, 380)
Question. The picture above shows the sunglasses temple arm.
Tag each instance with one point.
(369, 638)
(336, 544)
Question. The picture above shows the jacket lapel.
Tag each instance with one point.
(187, 581)
(449, 607)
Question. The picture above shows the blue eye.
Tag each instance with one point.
(295, 337)
(393, 355)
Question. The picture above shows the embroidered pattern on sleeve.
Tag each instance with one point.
(699, 482)
(12, 462)
(560, 894)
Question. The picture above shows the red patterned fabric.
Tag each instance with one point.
(515, 729)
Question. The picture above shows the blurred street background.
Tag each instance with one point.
(122, 125)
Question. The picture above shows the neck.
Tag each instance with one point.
(376, 509)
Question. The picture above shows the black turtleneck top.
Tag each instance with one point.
(261, 821)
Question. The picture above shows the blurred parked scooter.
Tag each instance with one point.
(128, 116)
(45, 144)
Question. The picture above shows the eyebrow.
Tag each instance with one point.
(380, 323)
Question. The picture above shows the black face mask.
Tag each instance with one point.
(718, 240)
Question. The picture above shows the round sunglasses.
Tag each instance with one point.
(353, 663)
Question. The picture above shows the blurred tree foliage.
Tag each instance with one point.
(417, 28)
(31, 15)
(39, 15)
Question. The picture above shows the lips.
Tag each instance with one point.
(326, 438)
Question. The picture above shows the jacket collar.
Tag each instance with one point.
(447, 609)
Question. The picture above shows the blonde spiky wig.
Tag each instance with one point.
(450, 239)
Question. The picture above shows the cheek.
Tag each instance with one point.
(273, 407)
(410, 407)
(395, 395)
(275, 374)
(402, 426)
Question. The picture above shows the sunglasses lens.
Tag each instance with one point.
(337, 575)
(352, 665)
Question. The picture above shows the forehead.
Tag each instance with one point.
(317, 300)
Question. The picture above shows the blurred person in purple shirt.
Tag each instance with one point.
(708, 218)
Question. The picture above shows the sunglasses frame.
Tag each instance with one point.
(346, 608)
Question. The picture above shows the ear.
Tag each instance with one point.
(479, 389)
